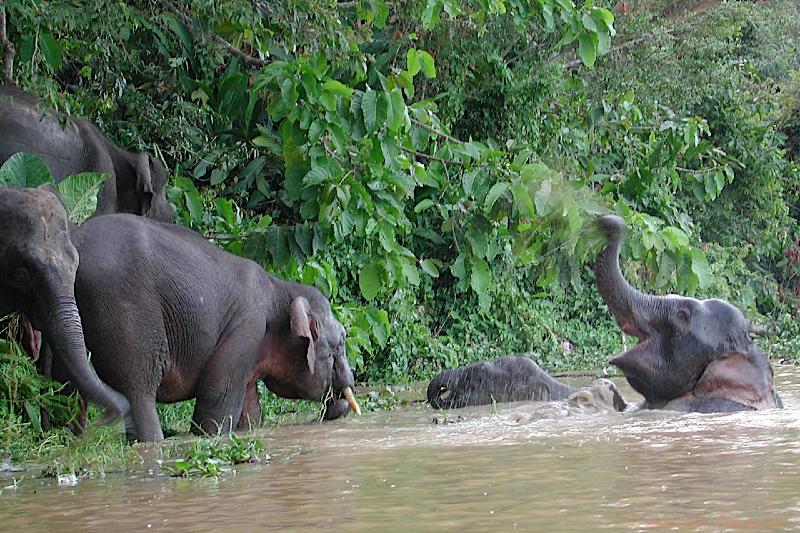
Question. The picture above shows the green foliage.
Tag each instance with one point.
(209, 457)
(78, 192)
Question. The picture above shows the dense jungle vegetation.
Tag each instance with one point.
(434, 166)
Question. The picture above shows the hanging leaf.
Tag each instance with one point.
(24, 170)
(50, 50)
(79, 194)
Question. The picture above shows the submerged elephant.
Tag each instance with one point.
(137, 181)
(692, 355)
(38, 265)
(507, 379)
(169, 317)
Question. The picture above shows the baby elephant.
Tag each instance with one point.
(508, 379)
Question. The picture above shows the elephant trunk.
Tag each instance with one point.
(65, 335)
(343, 384)
(633, 310)
(560, 391)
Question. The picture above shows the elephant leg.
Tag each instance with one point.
(251, 410)
(145, 425)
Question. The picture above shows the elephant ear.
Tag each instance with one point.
(144, 182)
(304, 325)
(739, 377)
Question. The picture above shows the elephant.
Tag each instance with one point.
(38, 266)
(507, 379)
(71, 145)
(168, 317)
(692, 355)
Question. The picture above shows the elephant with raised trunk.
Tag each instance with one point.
(507, 379)
(71, 145)
(692, 355)
(38, 265)
(169, 317)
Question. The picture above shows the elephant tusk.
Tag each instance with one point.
(347, 392)
(757, 329)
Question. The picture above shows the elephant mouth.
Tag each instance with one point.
(621, 360)
(338, 406)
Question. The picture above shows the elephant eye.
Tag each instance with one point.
(20, 278)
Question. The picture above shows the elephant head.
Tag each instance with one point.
(687, 347)
(306, 356)
(140, 183)
(38, 264)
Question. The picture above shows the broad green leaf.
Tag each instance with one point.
(398, 110)
(369, 106)
(194, 204)
(481, 280)
(50, 50)
(338, 88)
(497, 190)
(225, 210)
(412, 62)
(411, 273)
(542, 199)
(24, 170)
(587, 48)
(427, 64)
(429, 267)
(79, 194)
(423, 205)
(369, 280)
(431, 13)
(700, 267)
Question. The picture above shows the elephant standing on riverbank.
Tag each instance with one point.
(169, 317)
(692, 355)
(71, 145)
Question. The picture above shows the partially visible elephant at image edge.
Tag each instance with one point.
(137, 181)
(38, 266)
(692, 355)
(168, 317)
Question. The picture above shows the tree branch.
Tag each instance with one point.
(247, 58)
(623, 46)
(8, 48)
(437, 132)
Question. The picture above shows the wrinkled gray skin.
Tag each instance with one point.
(692, 355)
(507, 379)
(137, 181)
(38, 264)
(169, 316)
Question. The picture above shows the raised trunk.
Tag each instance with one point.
(62, 327)
(633, 310)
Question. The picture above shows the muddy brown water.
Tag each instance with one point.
(392, 471)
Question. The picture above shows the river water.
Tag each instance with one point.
(477, 469)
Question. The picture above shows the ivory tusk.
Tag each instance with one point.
(347, 392)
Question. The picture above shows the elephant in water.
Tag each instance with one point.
(692, 355)
(169, 317)
(507, 379)
(70, 145)
(38, 265)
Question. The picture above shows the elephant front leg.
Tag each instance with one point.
(251, 410)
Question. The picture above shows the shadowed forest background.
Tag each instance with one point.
(435, 166)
